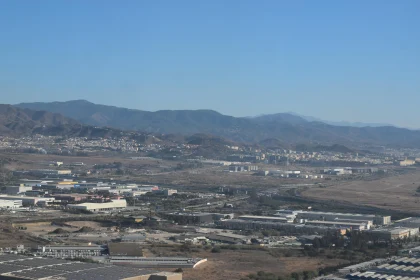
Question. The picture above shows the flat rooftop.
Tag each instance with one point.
(64, 247)
(338, 214)
(22, 267)
(190, 214)
(262, 217)
(393, 230)
(335, 223)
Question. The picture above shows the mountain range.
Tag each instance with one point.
(15, 121)
(283, 127)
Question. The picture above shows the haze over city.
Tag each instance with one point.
(334, 60)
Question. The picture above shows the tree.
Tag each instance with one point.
(295, 276)
(253, 194)
(316, 243)
(119, 172)
(216, 250)
(307, 275)
(104, 193)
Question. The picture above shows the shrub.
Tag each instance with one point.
(216, 250)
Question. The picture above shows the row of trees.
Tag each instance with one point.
(261, 275)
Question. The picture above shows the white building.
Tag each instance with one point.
(97, 207)
(70, 251)
(169, 192)
(332, 216)
(28, 200)
(10, 204)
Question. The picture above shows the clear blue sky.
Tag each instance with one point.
(355, 60)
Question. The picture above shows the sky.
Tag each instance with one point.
(352, 60)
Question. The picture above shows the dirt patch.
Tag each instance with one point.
(86, 224)
(11, 237)
(237, 264)
(395, 193)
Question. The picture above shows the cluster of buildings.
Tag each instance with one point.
(285, 157)
(289, 174)
(320, 174)
(348, 170)
(300, 222)
(55, 173)
(75, 195)
(243, 168)
(72, 145)
(315, 222)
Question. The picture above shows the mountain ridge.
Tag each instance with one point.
(285, 127)
(18, 122)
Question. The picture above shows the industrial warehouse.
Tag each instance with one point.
(70, 251)
(332, 216)
(309, 222)
(96, 207)
(402, 268)
(399, 269)
(25, 268)
(10, 204)
(157, 261)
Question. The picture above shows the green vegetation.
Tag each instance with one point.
(261, 275)
(216, 250)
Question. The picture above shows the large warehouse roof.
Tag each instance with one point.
(121, 203)
(21, 267)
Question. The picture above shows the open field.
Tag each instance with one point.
(237, 264)
(42, 228)
(155, 171)
(39, 161)
(395, 193)
(202, 178)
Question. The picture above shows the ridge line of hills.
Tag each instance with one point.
(283, 128)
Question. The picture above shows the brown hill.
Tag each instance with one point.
(16, 121)
(285, 127)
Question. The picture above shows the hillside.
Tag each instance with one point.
(287, 128)
(16, 122)
(185, 122)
